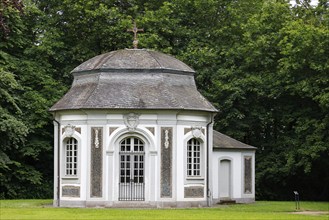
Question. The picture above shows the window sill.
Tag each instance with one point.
(70, 177)
(195, 178)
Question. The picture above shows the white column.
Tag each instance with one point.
(55, 162)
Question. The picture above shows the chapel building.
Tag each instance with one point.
(133, 131)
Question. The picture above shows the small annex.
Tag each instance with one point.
(133, 131)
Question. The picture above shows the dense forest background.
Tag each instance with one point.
(263, 63)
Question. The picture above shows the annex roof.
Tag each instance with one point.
(222, 141)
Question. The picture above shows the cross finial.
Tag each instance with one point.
(135, 30)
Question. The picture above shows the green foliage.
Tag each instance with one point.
(274, 97)
(74, 31)
(264, 65)
(266, 69)
(27, 90)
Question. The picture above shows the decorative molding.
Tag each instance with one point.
(112, 129)
(151, 129)
(153, 152)
(131, 120)
(187, 130)
(196, 131)
(69, 130)
(96, 139)
(110, 153)
(166, 143)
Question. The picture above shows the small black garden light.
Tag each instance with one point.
(297, 200)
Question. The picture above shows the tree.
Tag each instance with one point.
(75, 31)
(272, 96)
(264, 65)
(26, 92)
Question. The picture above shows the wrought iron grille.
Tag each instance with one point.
(131, 191)
(131, 183)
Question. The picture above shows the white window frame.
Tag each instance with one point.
(71, 157)
(194, 158)
(141, 164)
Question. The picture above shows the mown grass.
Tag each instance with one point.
(42, 209)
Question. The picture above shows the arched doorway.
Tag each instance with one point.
(131, 170)
(225, 179)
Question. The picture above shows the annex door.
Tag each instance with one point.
(131, 181)
(225, 179)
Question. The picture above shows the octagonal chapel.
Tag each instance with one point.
(133, 131)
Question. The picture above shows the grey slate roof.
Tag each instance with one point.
(133, 59)
(133, 79)
(222, 141)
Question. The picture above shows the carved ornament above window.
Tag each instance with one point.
(196, 132)
(131, 120)
(69, 130)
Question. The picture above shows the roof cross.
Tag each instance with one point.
(135, 30)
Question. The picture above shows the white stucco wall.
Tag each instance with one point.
(181, 124)
(236, 158)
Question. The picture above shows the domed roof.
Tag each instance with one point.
(133, 79)
(133, 59)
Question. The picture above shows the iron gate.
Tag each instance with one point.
(131, 183)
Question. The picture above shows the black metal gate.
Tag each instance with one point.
(131, 183)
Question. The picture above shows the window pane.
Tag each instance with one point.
(71, 155)
(193, 157)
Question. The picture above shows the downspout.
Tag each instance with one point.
(58, 159)
(207, 180)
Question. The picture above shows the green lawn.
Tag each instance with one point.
(42, 209)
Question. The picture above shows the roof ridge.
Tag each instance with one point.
(92, 92)
(106, 58)
(169, 95)
(149, 52)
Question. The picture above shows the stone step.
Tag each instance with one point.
(130, 204)
(226, 202)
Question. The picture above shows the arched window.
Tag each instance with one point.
(193, 157)
(71, 157)
(131, 160)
